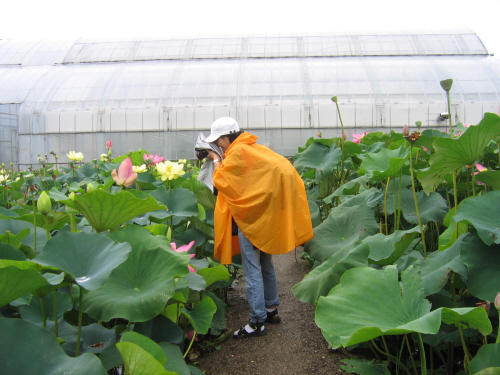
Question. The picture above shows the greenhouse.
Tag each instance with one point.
(159, 94)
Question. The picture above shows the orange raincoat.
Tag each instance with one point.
(265, 195)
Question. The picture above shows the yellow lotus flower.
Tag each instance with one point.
(182, 161)
(104, 157)
(75, 156)
(140, 169)
(2, 178)
(169, 170)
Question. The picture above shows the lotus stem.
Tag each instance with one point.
(341, 144)
(455, 199)
(385, 206)
(391, 357)
(34, 218)
(56, 328)
(423, 362)
(80, 316)
(44, 315)
(394, 204)
(72, 223)
(416, 202)
(473, 180)
(441, 357)
(411, 355)
(449, 112)
(47, 227)
(128, 326)
(464, 345)
(399, 200)
(190, 344)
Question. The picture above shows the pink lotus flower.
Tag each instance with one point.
(425, 149)
(186, 248)
(125, 176)
(153, 159)
(189, 336)
(480, 168)
(108, 144)
(358, 137)
(497, 301)
(406, 131)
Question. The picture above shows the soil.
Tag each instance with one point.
(295, 346)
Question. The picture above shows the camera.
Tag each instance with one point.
(201, 153)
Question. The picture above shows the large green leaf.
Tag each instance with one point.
(175, 361)
(139, 362)
(213, 274)
(219, 320)
(33, 311)
(490, 178)
(139, 238)
(369, 303)
(319, 157)
(16, 282)
(200, 316)
(10, 252)
(482, 213)
(323, 278)
(482, 261)
(20, 337)
(436, 267)
(106, 211)
(385, 163)
(160, 329)
(139, 288)
(16, 226)
(344, 227)
(386, 250)
(179, 201)
(89, 257)
(147, 344)
(454, 153)
(488, 356)
(432, 207)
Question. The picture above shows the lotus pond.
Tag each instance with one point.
(107, 264)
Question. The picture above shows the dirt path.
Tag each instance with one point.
(295, 346)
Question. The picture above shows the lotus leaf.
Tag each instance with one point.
(219, 320)
(94, 338)
(160, 329)
(323, 278)
(106, 211)
(482, 263)
(146, 343)
(200, 316)
(490, 178)
(344, 227)
(139, 238)
(385, 163)
(33, 311)
(179, 201)
(89, 257)
(16, 226)
(196, 282)
(175, 361)
(20, 337)
(487, 357)
(10, 252)
(432, 207)
(369, 303)
(437, 266)
(364, 367)
(16, 282)
(213, 274)
(455, 153)
(388, 249)
(482, 213)
(319, 157)
(138, 361)
(139, 288)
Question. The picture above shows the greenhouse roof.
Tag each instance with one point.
(430, 43)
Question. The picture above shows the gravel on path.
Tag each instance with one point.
(295, 346)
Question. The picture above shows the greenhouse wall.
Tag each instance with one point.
(159, 95)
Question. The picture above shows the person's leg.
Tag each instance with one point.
(270, 281)
(253, 277)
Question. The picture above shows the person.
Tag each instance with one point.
(261, 210)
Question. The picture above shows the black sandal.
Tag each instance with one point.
(273, 317)
(250, 330)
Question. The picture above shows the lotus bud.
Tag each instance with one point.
(446, 84)
(108, 144)
(109, 153)
(90, 188)
(72, 196)
(406, 131)
(44, 205)
(334, 99)
(418, 124)
(28, 179)
(497, 301)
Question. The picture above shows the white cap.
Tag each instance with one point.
(222, 126)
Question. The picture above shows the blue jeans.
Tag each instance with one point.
(262, 286)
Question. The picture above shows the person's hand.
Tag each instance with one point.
(212, 155)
